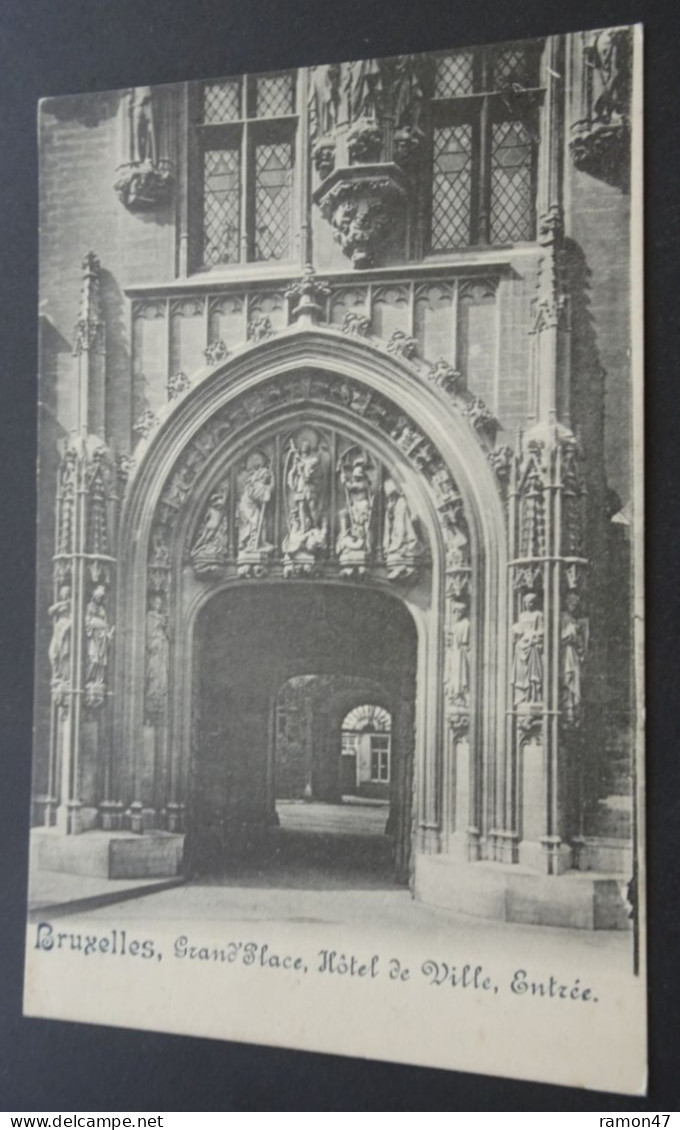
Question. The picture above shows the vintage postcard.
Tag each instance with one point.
(339, 696)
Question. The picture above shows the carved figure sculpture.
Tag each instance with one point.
(364, 89)
(210, 549)
(324, 98)
(305, 479)
(305, 474)
(59, 651)
(400, 541)
(157, 652)
(610, 53)
(527, 668)
(457, 541)
(256, 487)
(98, 635)
(353, 544)
(159, 556)
(407, 93)
(574, 643)
(457, 664)
(143, 127)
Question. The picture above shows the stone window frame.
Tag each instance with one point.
(242, 134)
(482, 105)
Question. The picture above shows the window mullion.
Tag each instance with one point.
(483, 170)
(247, 205)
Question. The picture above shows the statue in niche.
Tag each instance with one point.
(256, 486)
(324, 99)
(144, 147)
(455, 536)
(353, 544)
(179, 486)
(211, 546)
(157, 654)
(573, 647)
(159, 556)
(98, 635)
(400, 541)
(527, 668)
(364, 89)
(407, 92)
(610, 56)
(59, 651)
(457, 663)
(305, 472)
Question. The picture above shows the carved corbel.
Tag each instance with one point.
(363, 203)
(600, 141)
(146, 177)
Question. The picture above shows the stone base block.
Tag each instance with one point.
(576, 899)
(109, 855)
(601, 854)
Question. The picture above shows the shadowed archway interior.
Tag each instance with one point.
(249, 641)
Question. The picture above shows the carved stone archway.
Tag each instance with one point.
(320, 378)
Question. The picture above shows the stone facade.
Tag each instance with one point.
(346, 366)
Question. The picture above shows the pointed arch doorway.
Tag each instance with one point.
(249, 641)
(403, 507)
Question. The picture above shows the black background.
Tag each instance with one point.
(50, 47)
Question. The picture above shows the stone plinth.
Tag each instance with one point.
(582, 900)
(110, 855)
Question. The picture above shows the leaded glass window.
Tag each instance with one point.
(274, 97)
(221, 206)
(485, 115)
(511, 216)
(244, 145)
(451, 188)
(273, 200)
(222, 101)
(454, 75)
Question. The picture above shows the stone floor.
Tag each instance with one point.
(355, 816)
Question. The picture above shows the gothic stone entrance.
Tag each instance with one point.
(319, 461)
(248, 642)
(311, 482)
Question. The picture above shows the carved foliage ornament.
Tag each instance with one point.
(308, 294)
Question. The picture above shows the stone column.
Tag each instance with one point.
(84, 570)
(546, 541)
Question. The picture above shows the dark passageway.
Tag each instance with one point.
(252, 641)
